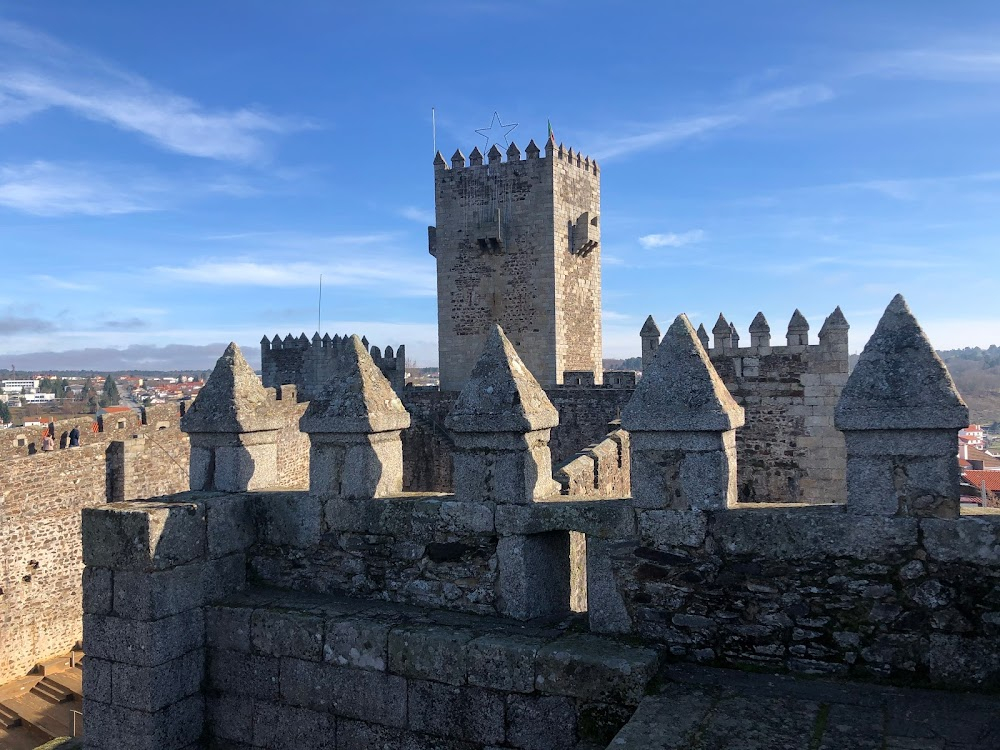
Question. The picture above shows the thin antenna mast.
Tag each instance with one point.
(319, 307)
(434, 132)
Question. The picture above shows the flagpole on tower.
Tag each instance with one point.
(434, 132)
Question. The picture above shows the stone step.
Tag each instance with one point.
(52, 720)
(55, 664)
(70, 680)
(8, 718)
(50, 690)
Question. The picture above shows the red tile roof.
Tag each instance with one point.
(116, 409)
(992, 479)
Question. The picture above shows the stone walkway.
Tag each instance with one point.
(700, 708)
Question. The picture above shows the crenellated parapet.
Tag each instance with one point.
(309, 363)
(495, 157)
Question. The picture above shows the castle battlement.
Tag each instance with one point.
(495, 156)
(310, 363)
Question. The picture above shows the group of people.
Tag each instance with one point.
(49, 440)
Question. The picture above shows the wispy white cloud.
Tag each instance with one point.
(52, 282)
(38, 72)
(399, 278)
(672, 239)
(43, 188)
(973, 61)
(674, 131)
(419, 215)
(612, 315)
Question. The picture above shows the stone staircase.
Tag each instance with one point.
(40, 707)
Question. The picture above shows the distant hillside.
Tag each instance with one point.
(977, 374)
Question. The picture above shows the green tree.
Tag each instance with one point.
(87, 391)
(110, 395)
(4, 413)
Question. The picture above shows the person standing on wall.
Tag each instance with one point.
(74, 437)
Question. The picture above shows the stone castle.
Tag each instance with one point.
(332, 559)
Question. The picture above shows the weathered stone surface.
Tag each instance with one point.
(287, 633)
(352, 693)
(664, 529)
(357, 399)
(277, 725)
(533, 575)
(808, 533)
(429, 653)
(972, 539)
(285, 518)
(238, 673)
(541, 722)
(143, 535)
(228, 628)
(229, 524)
(157, 594)
(595, 669)
(503, 662)
(360, 642)
(502, 395)
(154, 688)
(682, 391)
(600, 518)
(461, 713)
(232, 400)
(900, 383)
(141, 643)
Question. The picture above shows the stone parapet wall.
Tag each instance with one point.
(818, 590)
(600, 470)
(41, 496)
(329, 672)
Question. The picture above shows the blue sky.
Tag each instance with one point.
(181, 173)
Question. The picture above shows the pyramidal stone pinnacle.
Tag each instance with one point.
(798, 322)
(721, 326)
(682, 392)
(232, 400)
(502, 395)
(649, 328)
(357, 398)
(759, 324)
(835, 321)
(900, 382)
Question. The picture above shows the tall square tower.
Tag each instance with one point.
(517, 243)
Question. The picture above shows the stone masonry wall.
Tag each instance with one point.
(789, 449)
(338, 673)
(600, 470)
(818, 591)
(41, 496)
(577, 207)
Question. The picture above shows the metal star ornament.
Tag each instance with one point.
(497, 127)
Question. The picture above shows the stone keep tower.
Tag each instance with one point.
(517, 244)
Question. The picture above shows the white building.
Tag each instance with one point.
(37, 398)
(16, 386)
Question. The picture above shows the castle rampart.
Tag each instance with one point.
(391, 618)
(308, 363)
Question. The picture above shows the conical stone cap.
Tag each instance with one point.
(835, 321)
(798, 322)
(232, 401)
(759, 324)
(682, 392)
(356, 399)
(703, 335)
(900, 383)
(721, 327)
(502, 395)
(649, 328)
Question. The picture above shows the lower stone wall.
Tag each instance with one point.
(421, 550)
(40, 552)
(818, 590)
(321, 672)
(601, 470)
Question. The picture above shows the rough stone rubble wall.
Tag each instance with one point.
(41, 496)
(789, 449)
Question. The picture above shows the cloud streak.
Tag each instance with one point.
(400, 278)
(38, 73)
(42, 188)
(672, 239)
(674, 131)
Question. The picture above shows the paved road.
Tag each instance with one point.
(714, 709)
